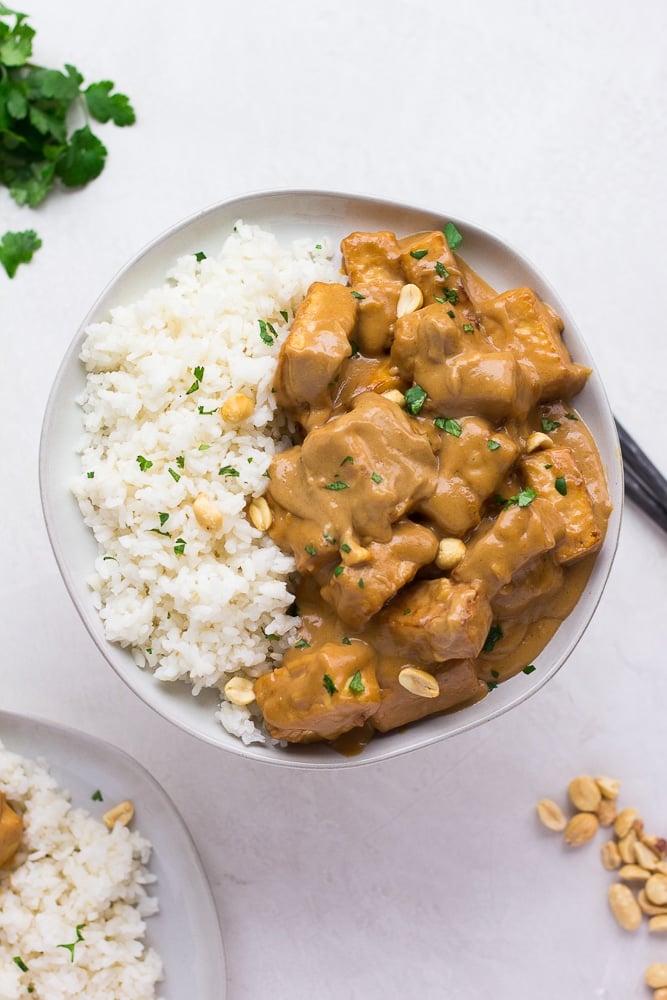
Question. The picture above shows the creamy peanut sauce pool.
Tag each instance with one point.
(443, 500)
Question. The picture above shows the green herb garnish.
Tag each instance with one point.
(529, 669)
(200, 256)
(453, 236)
(561, 485)
(356, 684)
(449, 425)
(338, 570)
(264, 332)
(97, 796)
(346, 641)
(179, 547)
(180, 462)
(72, 946)
(311, 550)
(495, 633)
(549, 425)
(418, 254)
(206, 413)
(357, 295)
(345, 547)
(441, 270)
(144, 463)
(468, 328)
(21, 964)
(347, 460)
(329, 685)
(174, 475)
(302, 644)
(17, 247)
(492, 445)
(337, 485)
(90, 475)
(163, 518)
(376, 477)
(284, 315)
(415, 398)
(522, 499)
(228, 470)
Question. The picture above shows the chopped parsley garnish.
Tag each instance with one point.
(264, 332)
(302, 644)
(311, 550)
(174, 475)
(449, 425)
(228, 470)
(72, 946)
(415, 398)
(407, 611)
(571, 416)
(346, 640)
(206, 413)
(354, 349)
(441, 270)
(163, 518)
(329, 685)
(338, 570)
(97, 796)
(345, 547)
(522, 499)
(418, 254)
(21, 964)
(549, 425)
(159, 531)
(271, 636)
(548, 465)
(495, 633)
(337, 485)
(318, 246)
(468, 328)
(453, 236)
(284, 315)
(495, 674)
(18, 248)
(356, 684)
(347, 460)
(329, 539)
(144, 463)
(376, 477)
(529, 669)
(451, 295)
(357, 295)
(451, 314)
(195, 385)
(90, 475)
(360, 582)
(200, 256)
(179, 547)
(203, 447)
(180, 462)
(491, 685)
(561, 485)
(199, 373)
(492, 445)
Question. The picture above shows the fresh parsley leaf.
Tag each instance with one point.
(82, 160)
(357, 295)
(453, 236)
(97, 796)
(549, 425)
(415, 398)
(522, 499)
(418, 254)
(264, 331)
(561, 485)
(200, 256)
(449, 425)
(468, 328)
(441, 270)
(338, 570)
(17, 249)
(337, 485)
(144, 463)
(329, 685)
(311, 550)
(72, 946)
(356, 684)
(495, 634)
(163, 518)
(529, 669)
(21, 964)
(376, 477)
(302, 644)
(174, 475)
(105, 105)
(228, 470)
(492, 445)
(179, 547)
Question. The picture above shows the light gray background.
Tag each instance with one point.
(426, 876)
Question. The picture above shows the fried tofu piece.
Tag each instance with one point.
(312, 355)
(555, 475)
(497, 552)
(457, 681)
(469, 473)
(11, 831)
(320, 693)
(373, 263)
(429, 263)
(357, 589)
(437, 620)
(519, 321)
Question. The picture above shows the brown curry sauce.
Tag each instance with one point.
(449, 421)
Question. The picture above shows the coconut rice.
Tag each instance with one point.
(193, 604)
(73, 900)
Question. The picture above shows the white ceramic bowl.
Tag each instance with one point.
(291, 214)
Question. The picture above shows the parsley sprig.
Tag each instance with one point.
(38, 147)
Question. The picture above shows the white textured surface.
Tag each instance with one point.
(425, 876)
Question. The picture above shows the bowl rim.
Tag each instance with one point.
(383, 748)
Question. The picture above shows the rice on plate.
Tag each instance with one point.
(73, 899)
(180, 426)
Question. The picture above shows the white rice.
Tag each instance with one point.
(201, 614)
(72, 872)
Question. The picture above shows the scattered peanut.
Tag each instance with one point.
(606, 812)
(647, 907)
(623, 822)
(656, 975)
(657, 844)
(419, 682)
(584, 793)
(633, 873)
(207, 513)
(551, 815)
(538, 442)
(658, 924)
(394, 396)
(645, 857)
(656, 889)
(122, 813)
(609, 787)
(626, 847)
(624, 906)
(240, 691)
(409, 300)
(352, 553)
(660, 993)
(450, 553)
(611, 859)
(237, 408)
(260, 514)
(580, 829)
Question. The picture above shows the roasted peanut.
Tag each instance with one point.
(394, 396)
(658, 924)
(656, 975)
(260, 514)
(538, 442)
(624, 906)
(645, 857)
(609, 787)
(647, 907)
(207, 513)
(624, 821)
(240, 691)
(584, 793)
(419, 682)
(606, 812)
(657, 844)
(409, 300)
(352, 553)
(237, 408)
(611, 859)
(660, 993)
(122, 813)
(656, 889)
(450, 553)
(633, 873)
(580, 829)
(626, 847)
(551, 815)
